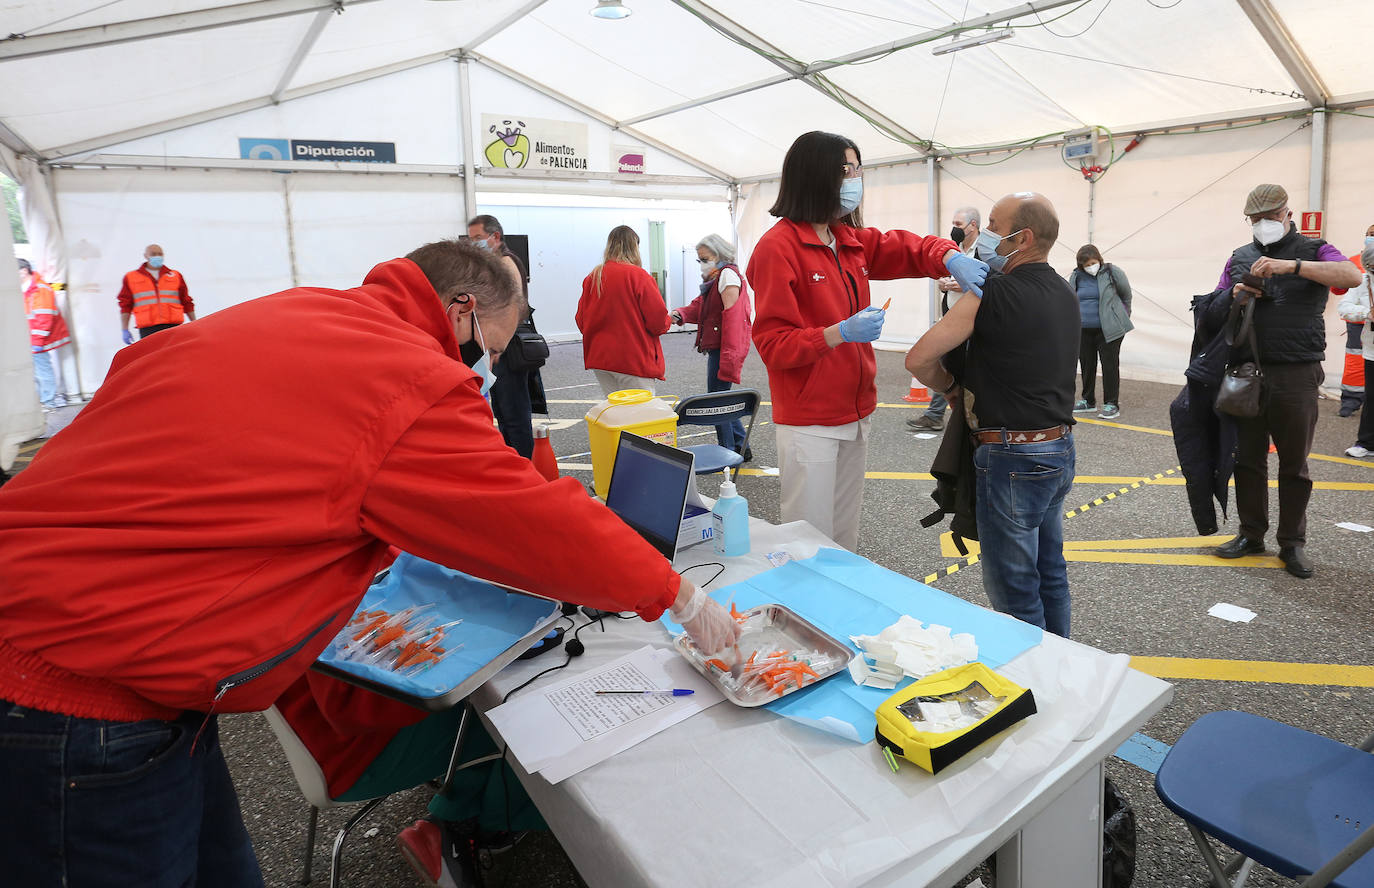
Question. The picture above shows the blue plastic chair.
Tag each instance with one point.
(1296, 802)
(717, 409)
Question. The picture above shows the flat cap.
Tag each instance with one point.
(1265, 199)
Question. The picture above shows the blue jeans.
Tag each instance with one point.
(45, 378)
(936, 410)
(1021, 491)
(729, 436)
(105, 803)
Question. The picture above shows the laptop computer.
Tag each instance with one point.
(649, 485)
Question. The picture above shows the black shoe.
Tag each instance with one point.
(748, 454)
(1295, 561)
(1238, 548)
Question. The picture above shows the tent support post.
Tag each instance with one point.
(1092, 207)
(465, 136)
(933, 214)
(290, 231)
(1316, 185)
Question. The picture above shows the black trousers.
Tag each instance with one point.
(510, 402)
(1365, 437)
(1091, 344)
(1288, 415)
(144, 332)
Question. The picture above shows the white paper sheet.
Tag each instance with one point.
(924, 436)
(1231, 612)
(566, 728)
(1351, 525)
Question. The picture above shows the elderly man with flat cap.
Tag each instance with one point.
(1290, 335)
(1021, 354)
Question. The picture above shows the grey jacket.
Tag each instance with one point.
(1114, 300)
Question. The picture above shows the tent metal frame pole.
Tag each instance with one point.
(598, 116)
(465, 138)
(1316, 183)
(17, 143)
(1286, 50)
(933, 218)
(505, 23)
(22, 47)
(834, 92)
(307, 43)
(806, 72)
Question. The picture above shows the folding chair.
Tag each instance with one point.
(717, 409)
(1296, 802)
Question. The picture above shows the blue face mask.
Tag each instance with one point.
(482, 244)
(154, 261)
(1369, 241)
(483, 365)
(851, 192)
(995, 260)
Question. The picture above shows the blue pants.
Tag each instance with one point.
(1021, 491)
(104, 803)
(45, 377)
(729, 436)
(936, 410)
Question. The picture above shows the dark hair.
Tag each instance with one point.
(1040, 218)
(25, 266)
(1086, 252)
(454, 267)
(812, 173)
(488, 223)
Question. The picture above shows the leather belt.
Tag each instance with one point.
(1008, 436)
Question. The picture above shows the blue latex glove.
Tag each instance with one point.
(128, 338)
(969, 272)
(864, 326)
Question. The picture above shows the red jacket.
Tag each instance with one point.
(47, 329)
(800, 288)
(620, 326)
(162, 297)
(206, 525)
(735, 326)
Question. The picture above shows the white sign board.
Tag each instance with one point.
(515, 143)
(627, 160)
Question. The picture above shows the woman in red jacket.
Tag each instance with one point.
(723, 317)
(814, 323)
(621, 315)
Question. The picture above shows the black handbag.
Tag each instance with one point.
(1241, 385)
(527, 351)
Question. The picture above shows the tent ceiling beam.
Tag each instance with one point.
(156, 129)
(797, 71)
(141, 162)
(505, 23)
(21, 47)
(15, 142)
(1286, 49)
(307, 43)
(805, 72)
(600, 117)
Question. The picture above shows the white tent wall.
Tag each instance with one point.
(21, 417)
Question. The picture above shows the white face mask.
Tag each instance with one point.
(1268, 231)
(1092, 269)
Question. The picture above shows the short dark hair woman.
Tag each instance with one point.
(815, 322)
(1104, 304)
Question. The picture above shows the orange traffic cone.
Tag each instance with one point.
(919, 394)
(544, 460)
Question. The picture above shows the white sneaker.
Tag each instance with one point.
(1358, 452)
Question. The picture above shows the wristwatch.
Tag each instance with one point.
(1297, 266)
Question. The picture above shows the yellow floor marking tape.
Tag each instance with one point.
(1316, 485)
(1129, 428)
(1135, 552)
(1257, 670)
(1111, 496)
(1342, 459)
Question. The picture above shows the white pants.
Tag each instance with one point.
(619, 382)
(823, 477)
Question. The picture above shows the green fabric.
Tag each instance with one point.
(420, 753)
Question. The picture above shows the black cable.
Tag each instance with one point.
(716, 564)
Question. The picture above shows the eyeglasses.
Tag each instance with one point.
(853, 170)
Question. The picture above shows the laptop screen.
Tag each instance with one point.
(649, 489)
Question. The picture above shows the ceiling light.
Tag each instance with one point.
(979, 40)
(610, 9)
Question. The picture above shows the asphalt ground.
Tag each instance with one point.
(1120, 604)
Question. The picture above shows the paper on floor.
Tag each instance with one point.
(1351, 525)
(566, 728)
(1232, 612)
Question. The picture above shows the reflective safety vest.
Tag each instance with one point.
(155, 301)
(47, 329)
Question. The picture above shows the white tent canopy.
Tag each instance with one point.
(122, 120)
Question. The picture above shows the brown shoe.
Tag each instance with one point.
(926, 423)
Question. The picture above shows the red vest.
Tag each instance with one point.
(155, 301)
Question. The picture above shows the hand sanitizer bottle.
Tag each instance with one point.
(730, 521)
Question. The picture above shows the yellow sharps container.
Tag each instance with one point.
(633, 410)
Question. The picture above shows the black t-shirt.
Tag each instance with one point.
(1023, 353)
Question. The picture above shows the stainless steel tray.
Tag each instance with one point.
(767, 628)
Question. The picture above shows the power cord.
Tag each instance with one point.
(715, 564)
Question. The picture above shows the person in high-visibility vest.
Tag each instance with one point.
(47, 333)
(154, 296)
(1353, 375)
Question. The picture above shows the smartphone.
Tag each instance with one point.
(1253, 280)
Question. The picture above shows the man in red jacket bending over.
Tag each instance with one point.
(137, 601)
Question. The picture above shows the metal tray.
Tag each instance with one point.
(455, 695)
(770, 627)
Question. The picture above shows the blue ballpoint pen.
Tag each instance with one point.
(675, 692)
